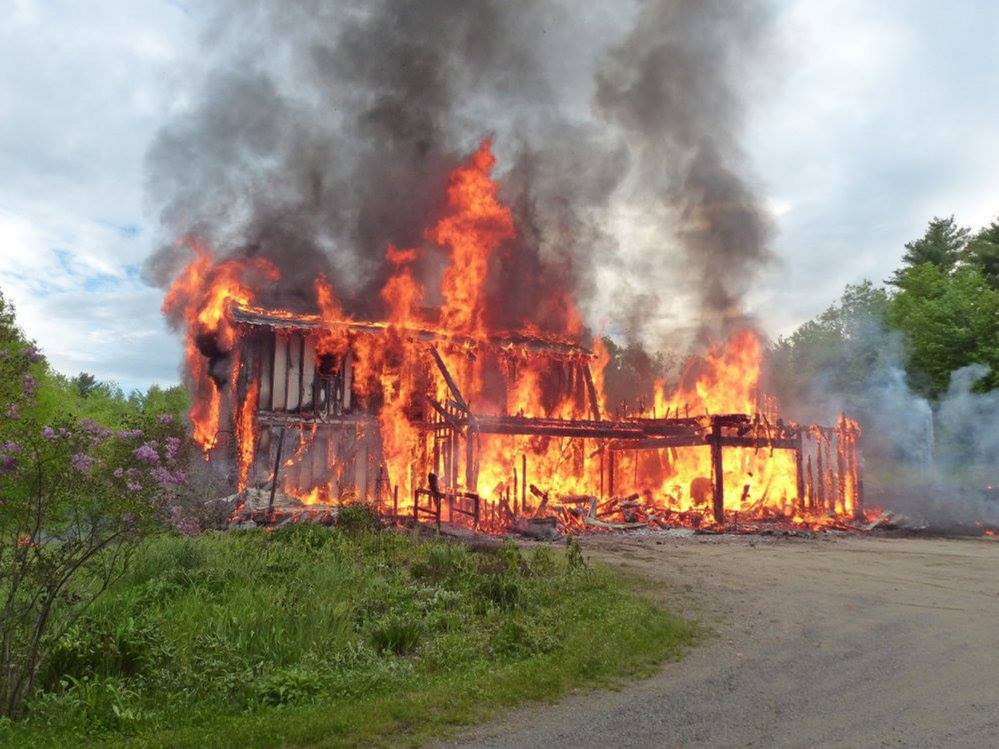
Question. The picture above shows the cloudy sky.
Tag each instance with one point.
(871, 118)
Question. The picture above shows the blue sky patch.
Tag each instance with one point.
(126, 231)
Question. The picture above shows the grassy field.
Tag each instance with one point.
(312, 637)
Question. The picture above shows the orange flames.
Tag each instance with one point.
(428, 424)
(201, 295)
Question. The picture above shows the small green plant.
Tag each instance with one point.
(517, 638)
(358, 518)
(396, 634)
(288, 687)
(503, 590)
(574, 555)
(308, 536)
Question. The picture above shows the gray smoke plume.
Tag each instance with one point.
(676, 87)
(321, 132)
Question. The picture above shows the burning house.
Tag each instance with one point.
(433, 414)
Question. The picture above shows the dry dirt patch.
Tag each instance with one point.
(852, 642)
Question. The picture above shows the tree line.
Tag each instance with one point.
(937, 313)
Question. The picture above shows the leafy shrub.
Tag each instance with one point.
(503, 590)
(307, 536)
(358, 518)
(288, 687)
(440, 561)
(574, 556)
(396, 634)
(105, 647)
(542, 562)
(103, 704)
(515, 638)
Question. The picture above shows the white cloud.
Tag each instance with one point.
(85, 86)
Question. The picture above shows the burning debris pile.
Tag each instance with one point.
(433, 413)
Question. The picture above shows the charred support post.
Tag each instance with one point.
(591, 392)
(820, 476)
(523, 481)
(611, 460)
(810, 483)
(717, 471)
(799, 470)
(470, 477)
(858, 475)
(277, 468)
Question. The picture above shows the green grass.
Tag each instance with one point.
(312, 637)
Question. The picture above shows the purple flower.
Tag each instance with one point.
(82, 462)
(147, 454)
(129, 434)
(13, 411)
(95, 430)
(33, 354)
(119, 472)
(28, 385)
(133, 486)
(184, 526)
(10, 447)
(171, 448)
(165, 418)
(48, 433)
(166, 478)
(8, 463)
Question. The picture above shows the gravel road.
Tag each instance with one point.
(832, 642)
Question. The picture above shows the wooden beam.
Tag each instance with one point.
(277, 470)
(445, 414)
(461, 402)
(799, 470)
(591, 391)
(718, 472)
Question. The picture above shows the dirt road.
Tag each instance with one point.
(846, 642)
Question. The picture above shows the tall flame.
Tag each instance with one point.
(201, 295)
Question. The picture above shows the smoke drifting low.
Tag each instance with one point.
(319, 133)
(936, 462)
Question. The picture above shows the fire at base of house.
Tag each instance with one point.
(317, 441)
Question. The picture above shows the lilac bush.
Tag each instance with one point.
(75, 500)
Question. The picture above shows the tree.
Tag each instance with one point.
(948, 322)
(840, 347)
(85, 383)
(982, 253)
(942, 245)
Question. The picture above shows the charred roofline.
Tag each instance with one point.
(259, 316)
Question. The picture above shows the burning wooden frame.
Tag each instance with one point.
(284, 385)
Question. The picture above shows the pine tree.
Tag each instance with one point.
(982, 253)
(942, 245)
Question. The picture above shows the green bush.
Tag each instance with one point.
(358, 518)
(502, 589)
(395, 634)
(288, 687)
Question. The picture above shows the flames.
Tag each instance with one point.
(199, 298)
(427, 420)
